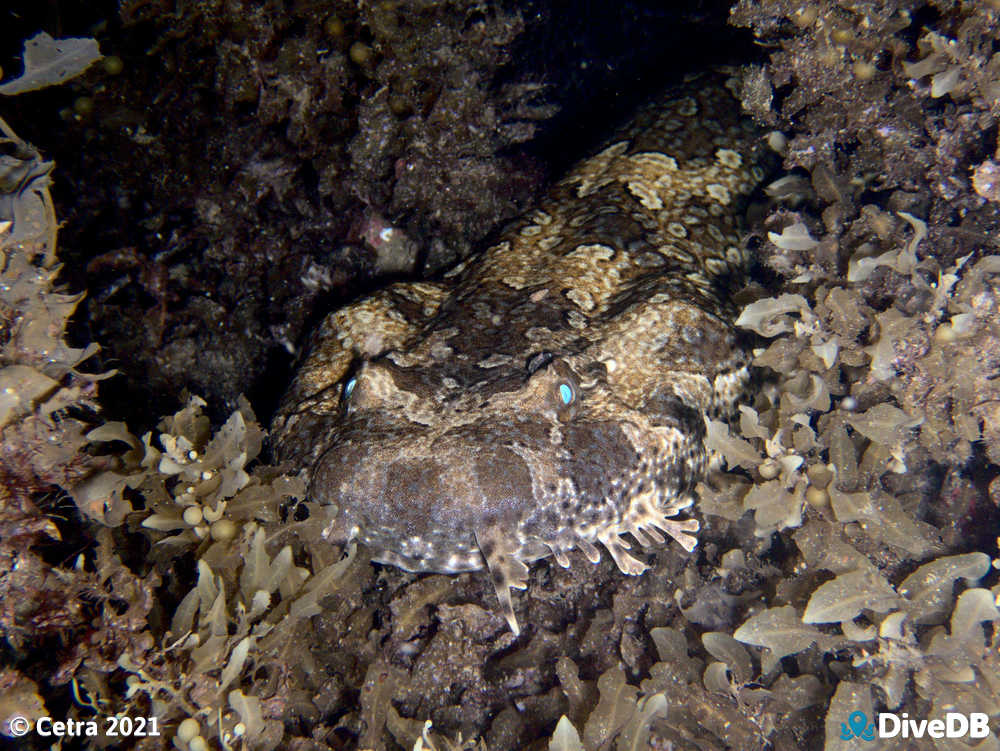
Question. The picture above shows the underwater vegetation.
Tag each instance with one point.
(155, 563)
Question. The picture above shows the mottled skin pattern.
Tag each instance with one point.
(550, 393)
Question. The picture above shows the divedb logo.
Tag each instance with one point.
(954, 725)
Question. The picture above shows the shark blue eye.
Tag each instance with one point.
(349, 387)
(566, 393)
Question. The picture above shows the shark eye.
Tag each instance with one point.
(349, 387)
(567, 393)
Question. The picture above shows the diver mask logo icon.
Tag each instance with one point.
(857, 727)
